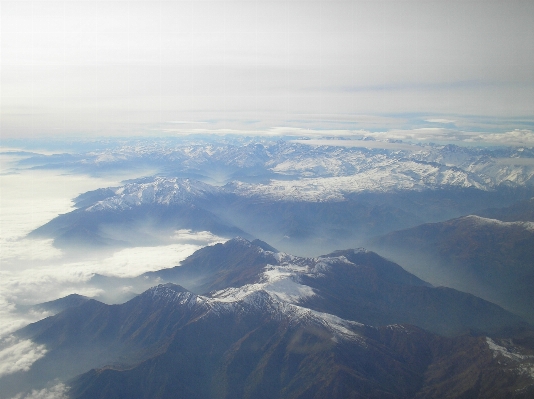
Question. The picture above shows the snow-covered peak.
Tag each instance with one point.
(276, 295)
(387, 176)
(482, 221)
(279, 281)
(173, 294)
(164, 191)
(277, 308)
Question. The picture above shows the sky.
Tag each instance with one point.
(153, 68)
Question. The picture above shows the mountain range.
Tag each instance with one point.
(268, 162)
(148, 211)
(249, 321)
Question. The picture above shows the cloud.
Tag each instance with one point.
(33, 271)
(440, 120)
(32, 197)
(187, 122)
(517, 137)
(436, 134)
(11, 321)
(201, 237)
(29, 250)
(59, 391)
(18, 355)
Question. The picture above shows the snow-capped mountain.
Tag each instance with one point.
(291, 193)
(290, 213)
(251, 160)
(159, 191)
(340, 283)
(279, 326)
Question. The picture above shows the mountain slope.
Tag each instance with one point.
(310, 215)
(259, 346)
(487, 257)
(275, 325)
(353, 284)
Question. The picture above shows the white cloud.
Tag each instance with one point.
(518, 137)
(31, 198)
(440, 120)
(16, 250)
(58, 391)
(18, 355)
(32, 271)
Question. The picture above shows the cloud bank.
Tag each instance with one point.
(59, 391)
(121, 68)
(18, 355)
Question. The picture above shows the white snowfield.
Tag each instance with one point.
(278, 293)
(168, 191)
(302, 172)
(523, 364)
(387, 178)
(164, 191)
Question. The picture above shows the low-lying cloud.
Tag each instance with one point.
(517, 137)
(33, 271)
(58, 391)
(18, 355)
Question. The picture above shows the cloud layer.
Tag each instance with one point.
(33, 271)
(59, 391)
(110, 67)
(18, 355)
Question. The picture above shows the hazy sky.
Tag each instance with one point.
(148, 67)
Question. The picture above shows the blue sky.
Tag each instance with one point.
(123, 68)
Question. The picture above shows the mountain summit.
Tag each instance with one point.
(242, 320)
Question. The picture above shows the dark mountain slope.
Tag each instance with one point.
(486, 257)
(366, 292)
(57, 305)
(258, 358)
(283, 327)
(141, 225)
(232, 264)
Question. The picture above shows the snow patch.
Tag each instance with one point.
(481, 221)
(510, 353)
(163, 191)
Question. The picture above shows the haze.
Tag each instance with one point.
(72, 68)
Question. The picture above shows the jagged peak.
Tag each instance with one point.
(343, 252)
(256, 243)
(280, 309)
(169, 292)
(158, 190)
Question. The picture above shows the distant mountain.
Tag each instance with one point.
(522, 211)
(280, 326)
(313, 167)
(299, 195)
(147, 211)
(59, 305)
(487, 257)
(137, 214)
